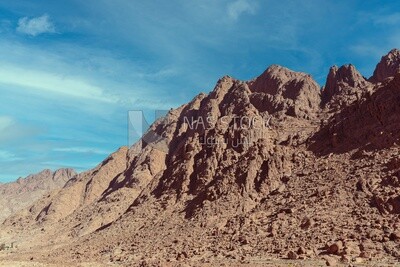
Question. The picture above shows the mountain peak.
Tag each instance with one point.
(275, 77)
(295, 92)
(387, 67)
(63, 174)
(340, 78)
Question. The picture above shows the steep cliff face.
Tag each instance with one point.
(268, 167)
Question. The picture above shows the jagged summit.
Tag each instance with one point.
(340, 79)
(277, 79)
(290, 91)
(295, 93)
(387, 67)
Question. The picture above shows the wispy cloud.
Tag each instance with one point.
(89, 150)
(85, 74)
(239, 7)
(6, 156)
(35, 26)
(52, 83)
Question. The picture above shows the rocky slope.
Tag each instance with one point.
(23, 192)
(272, 167)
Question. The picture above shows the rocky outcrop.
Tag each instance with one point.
(343, 83)
(280, 89)
(387, 67)
(372, 122)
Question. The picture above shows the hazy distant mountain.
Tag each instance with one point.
(23, 192)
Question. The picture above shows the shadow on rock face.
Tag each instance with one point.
(368, 124)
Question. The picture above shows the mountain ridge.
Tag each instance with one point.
(297, 186)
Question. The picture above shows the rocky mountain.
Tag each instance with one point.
(251, 173)
(17, 195)
(388, 67)
(343, 83)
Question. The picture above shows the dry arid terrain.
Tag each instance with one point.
(268, 172)
(24, 191)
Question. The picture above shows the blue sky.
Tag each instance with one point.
(70, 70)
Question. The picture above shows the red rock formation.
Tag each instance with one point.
(342, 81)
(387, 67)
(280, 89)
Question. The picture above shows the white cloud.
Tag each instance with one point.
(87, 74)
(6, 156)
(35, 26)
(53, 83)
(82, 150)
(239, 7)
